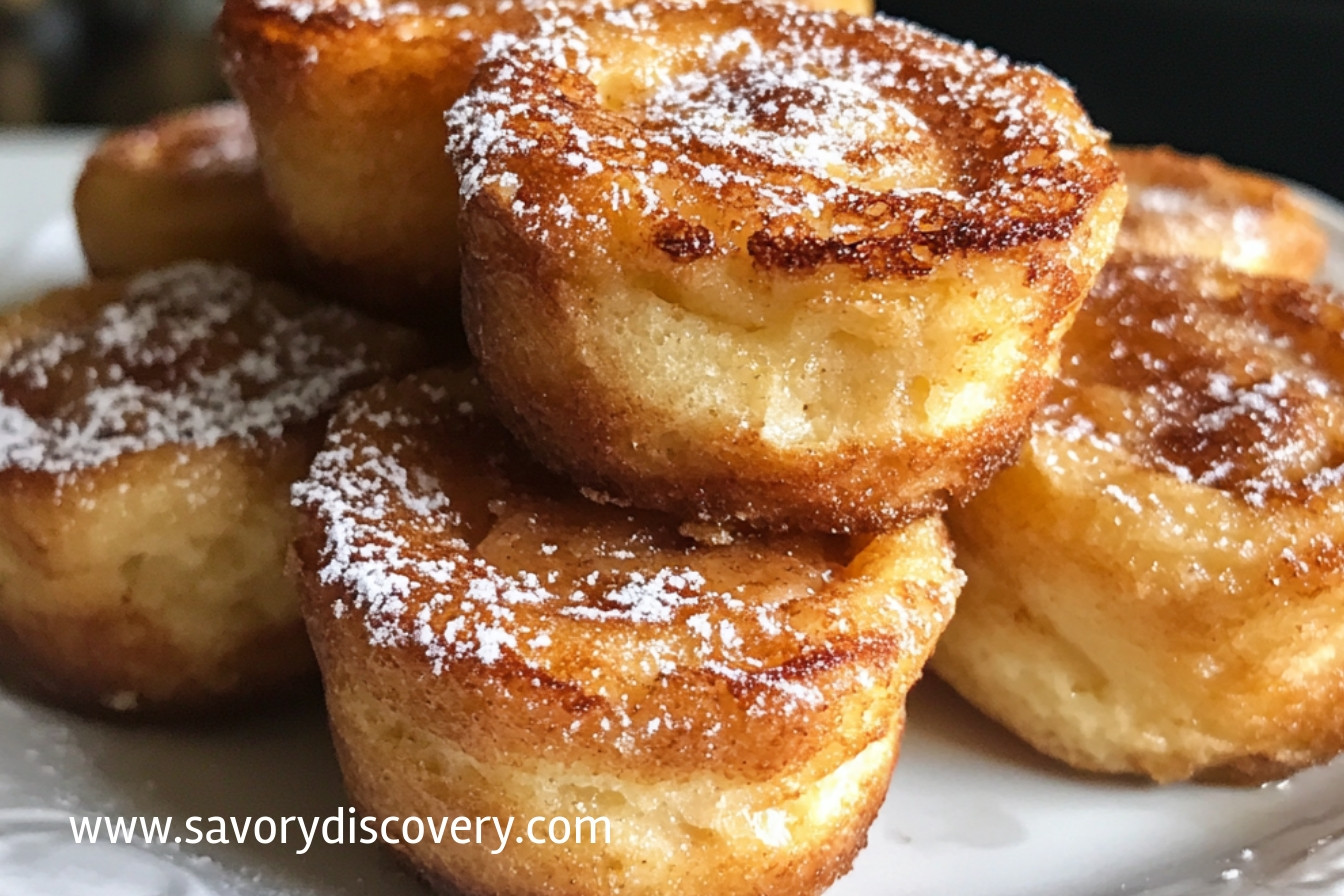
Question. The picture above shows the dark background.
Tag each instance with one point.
(1259, 82)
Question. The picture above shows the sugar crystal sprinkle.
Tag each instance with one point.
(430, 15)
(829, 124)
(190, 355)
(394, 543)
(374, 11)
(1217, 379)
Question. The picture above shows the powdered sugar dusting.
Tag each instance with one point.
(372, 11)
(465, 556)
(1218, 379)
(191, 356)
(1197, 205)
(771, 108)
(424, 16)
(818, 124)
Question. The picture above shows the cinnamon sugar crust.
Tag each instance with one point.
(1218, 379)
(803, 138)
(189, 356)
(200, 141)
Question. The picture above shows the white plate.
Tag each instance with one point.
(971, 811)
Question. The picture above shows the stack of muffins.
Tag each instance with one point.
(750, 292)
(720, 307)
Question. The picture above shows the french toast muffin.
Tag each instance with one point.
(1200, 206)
(1156, 588)
(150, 431)
(793, 268)
(347, 97)
(494, 643)
(182, 187)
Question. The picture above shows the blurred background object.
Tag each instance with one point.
(104, 61)
(1258, 82)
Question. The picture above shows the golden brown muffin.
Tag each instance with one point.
(1157, 587)
(149, 435)
(184, 186)
(1197, 205)
(348, 97)
(793, 268)
(493, 643)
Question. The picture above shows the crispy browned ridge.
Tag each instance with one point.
(394, 451)
(1198, 205)
(1025, 163)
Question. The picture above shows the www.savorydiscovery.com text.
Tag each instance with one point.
(344, 827)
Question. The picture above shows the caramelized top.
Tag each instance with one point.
(191, 355)
(415, 15)
(411, 18)
(446, 538)
(1197, 205)
(798, 137)
(350, 11)
(208, 140)
(1223, 379)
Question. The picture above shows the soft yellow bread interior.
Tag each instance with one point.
(703, 833)
(156, 581)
